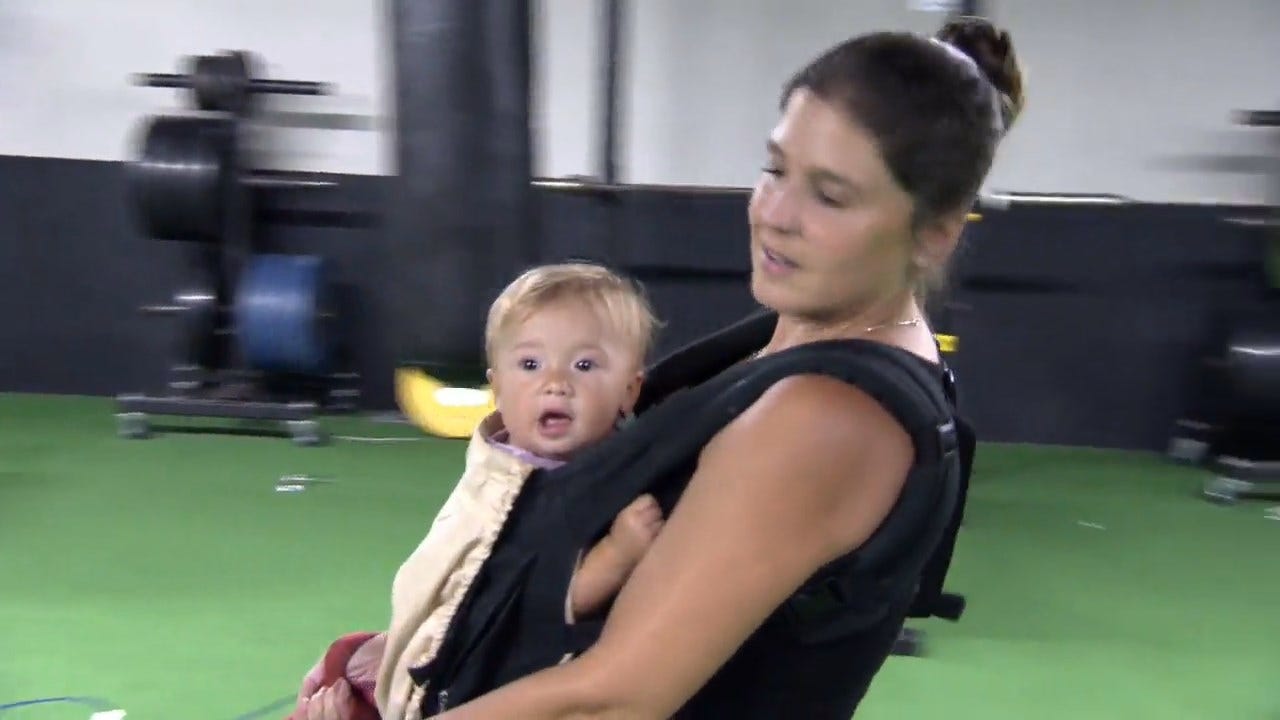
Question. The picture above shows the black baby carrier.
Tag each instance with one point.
(822, 646)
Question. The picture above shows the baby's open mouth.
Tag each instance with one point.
(554, 420)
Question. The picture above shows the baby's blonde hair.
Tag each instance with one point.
(622, 302)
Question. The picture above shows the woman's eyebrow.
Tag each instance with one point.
(818, 175)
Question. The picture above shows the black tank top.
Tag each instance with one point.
(779, 673)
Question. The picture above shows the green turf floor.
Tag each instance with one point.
(168, 577)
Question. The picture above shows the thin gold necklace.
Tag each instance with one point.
(866, 331)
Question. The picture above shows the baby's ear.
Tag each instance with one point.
(633, 392)
(493, 388)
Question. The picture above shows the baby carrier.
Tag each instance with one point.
(839, 625)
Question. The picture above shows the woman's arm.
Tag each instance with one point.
(803, 476)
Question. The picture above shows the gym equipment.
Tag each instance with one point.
(182, 184)
(227, 81)
(197, 345)
(186, 184)
(282, 314)
(256, 334)
(1235, 432)
(1246, 457)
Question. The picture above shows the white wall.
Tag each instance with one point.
(568, 86)
(1125, 97)
(65, 67)
(704, 78)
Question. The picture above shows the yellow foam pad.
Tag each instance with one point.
(442, 411)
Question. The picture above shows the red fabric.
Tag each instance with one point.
(333, 667)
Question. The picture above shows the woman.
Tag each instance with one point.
(882, 145)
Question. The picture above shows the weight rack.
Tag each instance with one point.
(189, 185)
(1232, 430)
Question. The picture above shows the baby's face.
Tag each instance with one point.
(562, 378)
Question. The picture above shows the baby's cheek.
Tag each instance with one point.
(602, 422)
(513, 411)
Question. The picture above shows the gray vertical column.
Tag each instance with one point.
(611, 48)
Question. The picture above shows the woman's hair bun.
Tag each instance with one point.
(991, 49)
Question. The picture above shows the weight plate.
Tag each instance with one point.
(280, 314)
(183, 182)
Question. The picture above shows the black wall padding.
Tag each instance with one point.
(1111, 357)
(460, 220)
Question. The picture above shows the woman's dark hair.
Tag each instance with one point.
(937, 107)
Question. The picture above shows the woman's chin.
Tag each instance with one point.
(769, 292)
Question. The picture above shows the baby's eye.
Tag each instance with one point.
(585, 365)
(528, 364)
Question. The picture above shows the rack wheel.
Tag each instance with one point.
(910, 643)
(1222, 490)
(306, 432)
(133, 425)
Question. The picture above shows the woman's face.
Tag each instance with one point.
(831, 230)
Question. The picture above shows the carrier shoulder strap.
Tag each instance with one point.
(705, 358)
(931, 598)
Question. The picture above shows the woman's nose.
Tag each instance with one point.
(776, 207)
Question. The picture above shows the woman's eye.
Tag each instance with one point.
(829, 201)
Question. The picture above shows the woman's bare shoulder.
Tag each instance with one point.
(811, 412)
(815, 439)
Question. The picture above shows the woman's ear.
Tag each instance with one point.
(937, 239)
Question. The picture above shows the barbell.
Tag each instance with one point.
(227, 82)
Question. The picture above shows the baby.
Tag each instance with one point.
(566, 346)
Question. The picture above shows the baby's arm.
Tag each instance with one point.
(608, 565)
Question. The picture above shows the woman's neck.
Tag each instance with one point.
(883, 320)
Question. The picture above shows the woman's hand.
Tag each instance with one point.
(312, 681)
(331, 703)
(360, 670)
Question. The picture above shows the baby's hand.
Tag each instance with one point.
(635, 528)
(608, 565)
